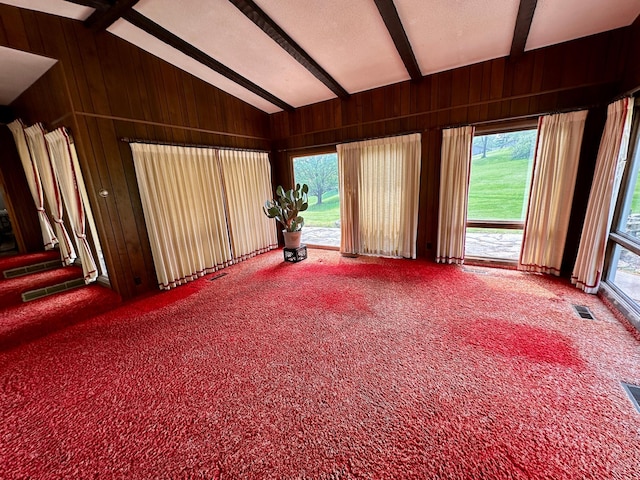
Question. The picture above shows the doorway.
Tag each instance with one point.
(322, 218)
(7, 238)
(499, 182)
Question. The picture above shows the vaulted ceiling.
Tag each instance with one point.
(283, 54)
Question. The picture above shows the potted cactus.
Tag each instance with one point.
(285, 209)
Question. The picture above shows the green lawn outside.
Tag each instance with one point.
(324, 215)
(635, 202)
(496, 192)
(497, 186)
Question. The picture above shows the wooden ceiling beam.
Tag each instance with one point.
(523, 24)
(136, 18)
(254, 13)
(100, 20)
(392, 20)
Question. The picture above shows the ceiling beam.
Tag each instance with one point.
(100, 20)
(254, 13)
(523, 24)
(392, 20)
(136, 18)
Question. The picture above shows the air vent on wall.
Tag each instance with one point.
(634, 394)
(584, 312)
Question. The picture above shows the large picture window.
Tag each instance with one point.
(499, 181)
(623, 254)
(322, 218)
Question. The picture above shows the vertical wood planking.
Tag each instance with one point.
(104, 89)
(14, 30)
(106, 76)
(538, 82)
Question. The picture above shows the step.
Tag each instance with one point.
(53, 289)
(29, 269)
(23, 264)
(26, 322)
(11, 290)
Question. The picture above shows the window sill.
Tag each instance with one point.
(620, 303)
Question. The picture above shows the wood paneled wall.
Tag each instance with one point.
(6, 114)
(577, 74)
(104, 89)
(631, 80)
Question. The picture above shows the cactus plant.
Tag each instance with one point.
(287, 206)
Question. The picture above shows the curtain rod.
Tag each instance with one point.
(476, 124)
(531, 115)
(189, 145)
(309, 147)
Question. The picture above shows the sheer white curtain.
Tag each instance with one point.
(552, 185)
(69, 177)
(183, 204)
(348, 179)
(40, 153)
(454, 187)
(33, 180)
(247, 185)
(610, 164)
(380, 182)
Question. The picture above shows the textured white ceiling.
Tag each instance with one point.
(19, 71)
(446, 34)
(557, 21)
(56, 7)
(221, 31)
(347, 38)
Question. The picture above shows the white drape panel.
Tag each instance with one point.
(610, 164)
(33, 179)
(386, 193)
(454, 188)
(552, 185)
(40, 153)
(69, 177)
(247, 185)
(348, 178)
(183, 205)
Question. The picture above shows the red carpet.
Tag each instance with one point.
(331, 368)
(31, 320)
(11, 289)
(14, 261)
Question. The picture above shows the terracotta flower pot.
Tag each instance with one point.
(291, 239)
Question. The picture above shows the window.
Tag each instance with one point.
(322, 218)
(623, 254)
(501, 166)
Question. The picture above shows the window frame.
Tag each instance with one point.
(309, 152)
(494, 128)
(616, 236)
(306, 152)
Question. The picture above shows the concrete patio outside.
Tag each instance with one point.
(500, 246)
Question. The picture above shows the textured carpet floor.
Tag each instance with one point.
(331, 368)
